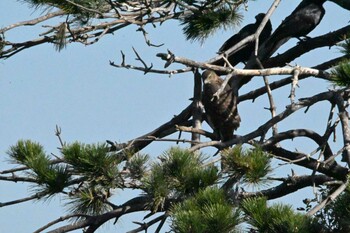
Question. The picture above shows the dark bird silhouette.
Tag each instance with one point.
(244, 54)
(221, 113)
(299, 23)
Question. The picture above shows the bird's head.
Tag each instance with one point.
(259, 17)
(208, 76)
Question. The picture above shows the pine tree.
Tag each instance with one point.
(186, 187)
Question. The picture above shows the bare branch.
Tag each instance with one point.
(33, 21)
(148, 42)
(344, 119)
(94, 222)
(197, 111)
(162, 131)
(275, 85)
(144, 226)
(270, 97)
(295, 81)
(33, 197)
(244, 72)
(329, 199)
(289, 185)
(148, 70)
(61, 219)
(197, 131)
(326, 40)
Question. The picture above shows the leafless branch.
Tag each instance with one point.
(329, 199)
(33, 21)
(148, 70)
(344, 119)
(144, 226)
(33, 197)
(244, 72)
(61, 219)
(289, 185)
(58, 132)
(197, 111)
(148, 42)
(252, 95)
(197, 131)
(295, 81)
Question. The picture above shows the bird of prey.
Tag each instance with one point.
(221, 113)
(299, 23)
(244, 54)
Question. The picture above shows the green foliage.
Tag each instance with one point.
(99, 169)
(137, 166)
(207, 211)
(24, 150)
(345, 46)
(94, 162)
(90, 201)
(341, 212)
(275, 219)
(60, 37)
(68, 7)
(179, 173)
(341, 74)
(201, 24)
(50, 178)
(336, 215)
(251, 165)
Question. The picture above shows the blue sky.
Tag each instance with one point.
(91, 101)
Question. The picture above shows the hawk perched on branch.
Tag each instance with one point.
(221, 112)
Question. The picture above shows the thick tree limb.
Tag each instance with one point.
(326, 40)
(331, 170)
(33, 197)
(290, 134)
(197, 110)
(252, 95)
(162, 131)
(94, 222)
(290, 185)
(144, 226)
